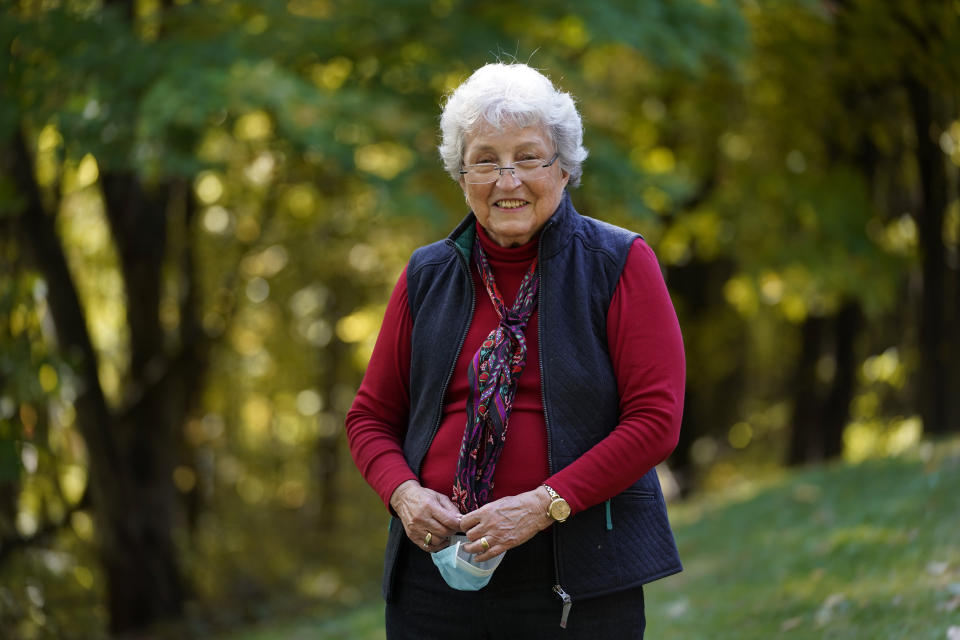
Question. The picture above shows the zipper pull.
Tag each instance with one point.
(567, 604)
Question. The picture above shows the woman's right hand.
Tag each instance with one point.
(424, 511)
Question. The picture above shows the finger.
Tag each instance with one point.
(469, 521)
(447, 504)
(436, 542)
(446, 514)
(483, 557)
(424, 521)
(441, 527)
(480, 554)
(424, 539)
(437, 520)
(481, 545)
(450, 522)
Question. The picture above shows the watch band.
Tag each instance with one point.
(553, 494)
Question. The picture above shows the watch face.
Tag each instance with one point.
(559, 510)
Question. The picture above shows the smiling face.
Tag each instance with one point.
(510, 210)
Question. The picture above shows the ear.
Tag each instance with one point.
(564, 177)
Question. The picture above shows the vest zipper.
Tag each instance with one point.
(453, 364)
(567, 605)
(543, 381)
(557, 589)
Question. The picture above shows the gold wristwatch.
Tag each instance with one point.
(558, 510)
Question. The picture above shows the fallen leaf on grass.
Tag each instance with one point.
(826, 611)
(950, 605)
(678, 609)
(791, 623)
(808, 493)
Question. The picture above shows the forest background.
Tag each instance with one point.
(205, 204)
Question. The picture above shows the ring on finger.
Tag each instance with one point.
(427, 539)
(484, 544)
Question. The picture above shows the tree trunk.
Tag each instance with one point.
(836, 408)
(806, 438)
(146, 584)
(192, 364)
(711, 404)
(129, 480)
(953, 416)
(933, 186)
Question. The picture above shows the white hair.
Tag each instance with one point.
(511, 95)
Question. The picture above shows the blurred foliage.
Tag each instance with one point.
(762, 147)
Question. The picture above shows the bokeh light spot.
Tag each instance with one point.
(87, 172)
(357, 326)
(309, 402)
(184, 478)
(48, 378)
(216, 219)
(82, 525)
(740, 435)
(384, 159)
(659, 160)
(209, 187)
(73, 482)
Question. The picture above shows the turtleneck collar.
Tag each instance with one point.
(523, 253)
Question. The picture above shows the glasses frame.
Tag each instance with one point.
(466, 170)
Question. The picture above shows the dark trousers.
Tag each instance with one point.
(517, 603)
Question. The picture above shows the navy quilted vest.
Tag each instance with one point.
(616, 545)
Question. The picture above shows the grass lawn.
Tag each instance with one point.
(867, 551)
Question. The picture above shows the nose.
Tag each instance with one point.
(508, 178)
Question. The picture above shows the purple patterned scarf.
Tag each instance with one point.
(499, 363)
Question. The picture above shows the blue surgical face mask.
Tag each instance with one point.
(460, 570)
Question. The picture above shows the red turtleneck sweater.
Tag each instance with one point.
(646, 350)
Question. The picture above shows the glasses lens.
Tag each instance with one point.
(482, 173)
(530, 169)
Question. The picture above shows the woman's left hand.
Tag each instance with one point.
(506, 523)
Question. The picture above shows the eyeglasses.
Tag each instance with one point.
(487, 172)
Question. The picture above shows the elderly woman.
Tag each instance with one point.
(527, 379)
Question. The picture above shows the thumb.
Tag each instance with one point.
(449, 515)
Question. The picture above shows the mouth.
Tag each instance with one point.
(511, 204)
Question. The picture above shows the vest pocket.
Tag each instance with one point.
(638, 495)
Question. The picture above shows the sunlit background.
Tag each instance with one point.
(205, 204)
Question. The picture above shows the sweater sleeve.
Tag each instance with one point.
(646, 350)
(377, 419)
